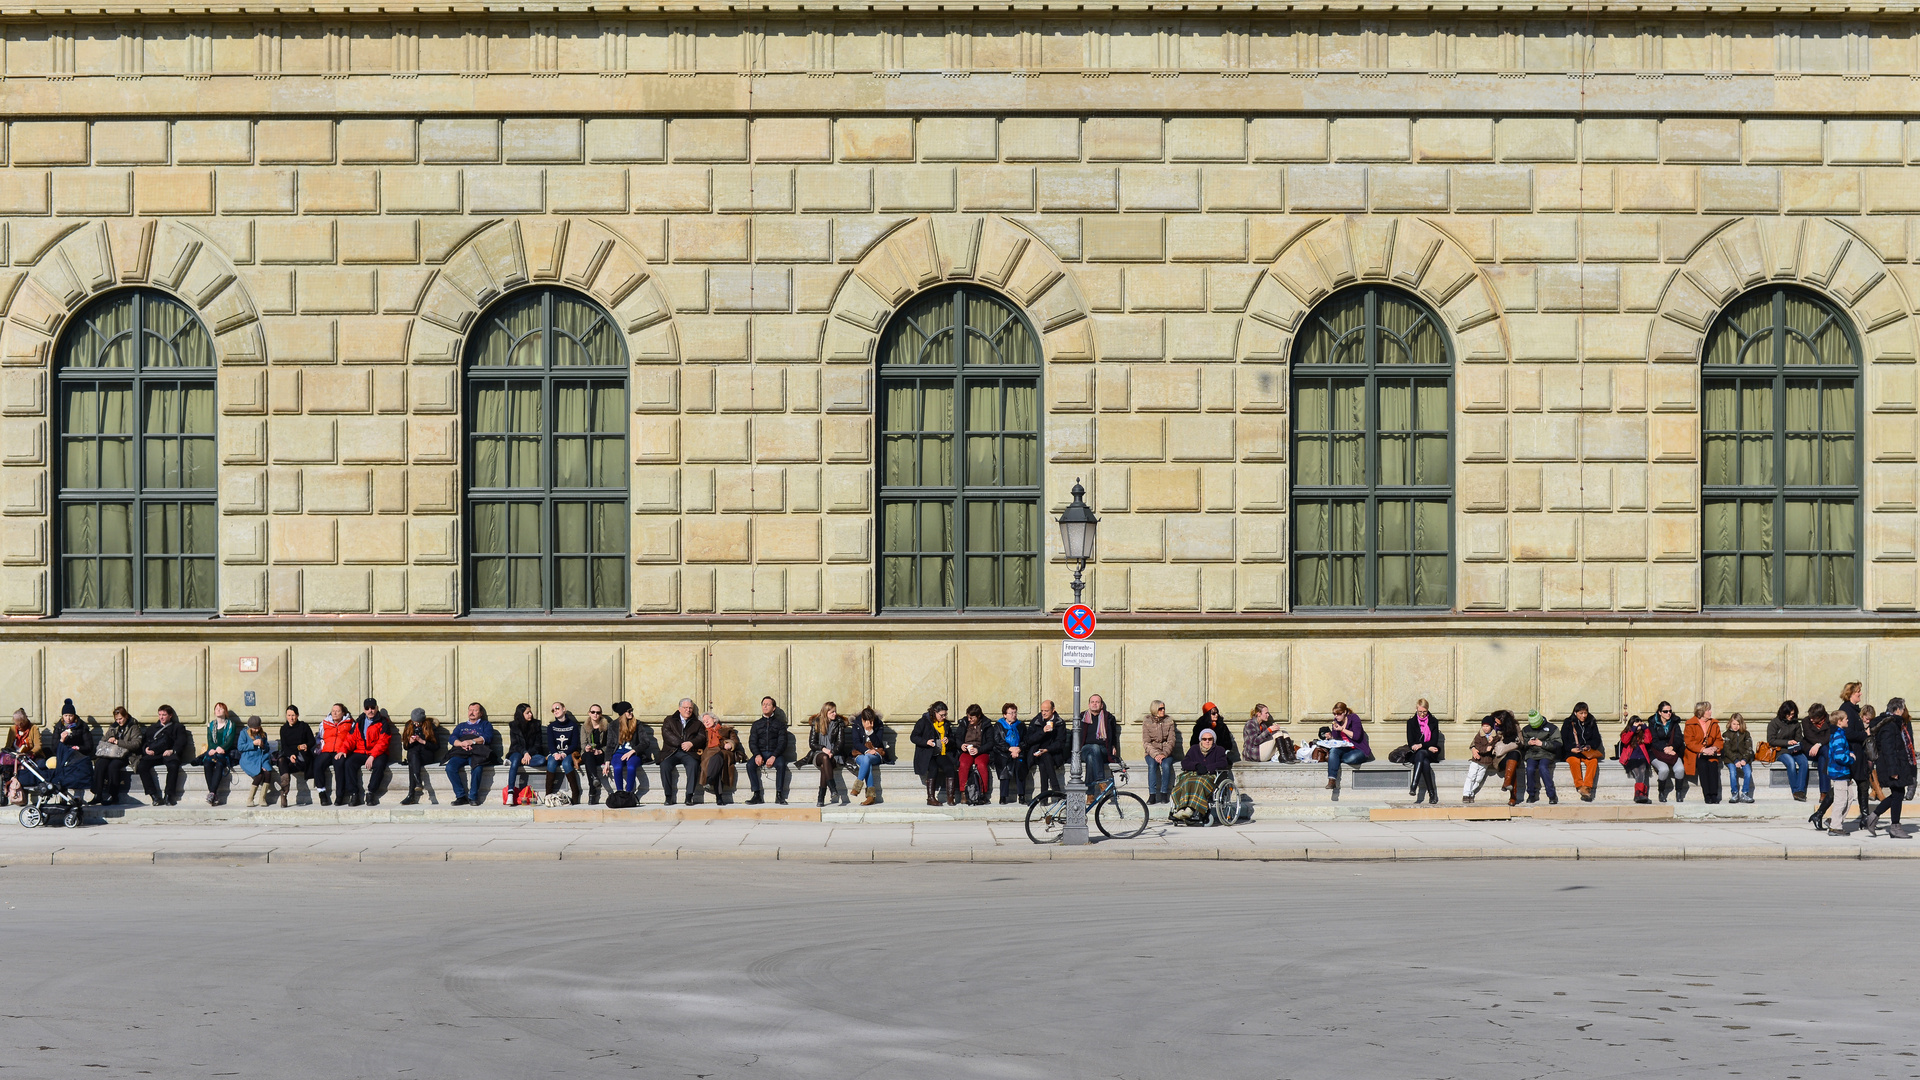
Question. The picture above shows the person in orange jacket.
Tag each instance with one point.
(339, 742)
(375, 736)
(1703, 752)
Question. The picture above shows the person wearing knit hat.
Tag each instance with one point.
(67, 709)
(1540, 750)
(420, 742)
(1211, 720)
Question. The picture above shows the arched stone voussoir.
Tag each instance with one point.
(926, 251)
(102, 256)
(1819, 254)
(1330, 253)
(574, 252)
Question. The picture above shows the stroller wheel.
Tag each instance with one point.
(30, 817)
(72, 820)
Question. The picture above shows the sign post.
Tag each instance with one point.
(1076, 653)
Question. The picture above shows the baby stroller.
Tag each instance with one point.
(53, 796)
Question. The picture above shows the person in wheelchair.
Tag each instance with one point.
(1200, 772)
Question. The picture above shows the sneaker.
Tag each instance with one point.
(463, 802)
(1836, 832)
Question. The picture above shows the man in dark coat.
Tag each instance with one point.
(682, 737)
(1048, 744)
(167, 746)
(770, 743)
(1892, 734)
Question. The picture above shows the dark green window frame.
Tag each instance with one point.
(1781, 424)
(136, 466)
(1372, 497)
(547, 481)
(959, 462)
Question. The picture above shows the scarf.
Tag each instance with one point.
(1426, 728)
(940, 736)
(1009, 730)
(1099, 720)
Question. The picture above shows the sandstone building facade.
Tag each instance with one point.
(1500, 359)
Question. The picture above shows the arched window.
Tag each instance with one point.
(546, 457)
(1372, 455)
(1781, 487)
(136, 519)
(960, 455)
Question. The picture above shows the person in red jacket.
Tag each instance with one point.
(339, 743)
(375, 735)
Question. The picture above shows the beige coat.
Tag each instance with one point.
(1159, 734)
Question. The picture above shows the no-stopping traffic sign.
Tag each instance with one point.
(1078, 622)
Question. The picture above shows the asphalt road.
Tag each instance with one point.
(1137, 970)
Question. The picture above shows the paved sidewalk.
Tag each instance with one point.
(978, 841)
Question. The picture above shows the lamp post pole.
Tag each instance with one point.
(1077, 526)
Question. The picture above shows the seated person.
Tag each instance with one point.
(1200, 772)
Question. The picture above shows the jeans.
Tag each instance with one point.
(1160, 775)
(627, 772)
(216, 770)
(1796, 772)
(1093, 758)
(558, 763)
(781, 778)
(863, 767)
(1740, 779)
(457, 767)
(1338, 756)
(515, 765)
(1539, 772)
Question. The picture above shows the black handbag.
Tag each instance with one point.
(1399, 756)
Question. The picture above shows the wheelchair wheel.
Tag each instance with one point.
(1122, 817)
(1047, 819)
(30, 817)
(1226, 803)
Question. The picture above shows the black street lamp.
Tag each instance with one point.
(1077, 529)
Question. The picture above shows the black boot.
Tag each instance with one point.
(573, 785)
(1665, 787)
(1679, 789)
(820, 797)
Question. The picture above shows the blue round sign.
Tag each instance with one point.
(1078, 622)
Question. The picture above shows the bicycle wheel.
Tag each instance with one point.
(1047, 819)
(1122, 816)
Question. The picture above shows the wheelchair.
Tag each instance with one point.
(1228, 806)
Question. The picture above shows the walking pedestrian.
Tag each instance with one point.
(1819, 731)
(1425, 745)
(118, 747)
(295, 755)
(1540, 749)
(165, 746)
(681, 738)
(221, 753)
(1346, 728)
(1842, 763)
(1704, 750)
(1736, 750)
(1788, 737)
(1850, 719)
(1635, 755)
(771, 744)
(421, 742)
(469, 751)
(256, 762)
(1892, 735)
(1161, 736)
(829, 747)
(1483, 758)
(873, 747)
(1583, 746)
(936, 755)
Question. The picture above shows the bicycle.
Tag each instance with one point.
(1119, 815)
